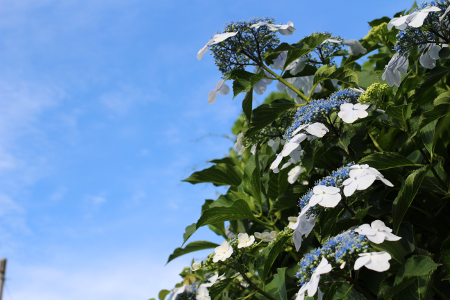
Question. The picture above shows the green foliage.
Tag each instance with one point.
(405, 135)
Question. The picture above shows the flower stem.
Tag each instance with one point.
(285, 82)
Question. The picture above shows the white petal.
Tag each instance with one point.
(202, 51)
(293, 174)
(365, 181)
(361, 261)
(427, 62)
(348, 116)
(276, 162)
(434, 51)
(297, 236)
(332, 190)
(391, 237)
(313, 285)
(360, 106)
(224, 89)
(317, 129)
(221, 37)
(330, 200)
(346, 107)
(315, 199)
(350, 189)
(378, 238)
(379, 261)
(212, 96)
(281, 86)
(301, 127)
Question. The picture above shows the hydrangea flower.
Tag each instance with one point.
(202, 293)
(323, 268)
(245, 240)
(326, 196)
(221, 88)
(239, 145)
(429, 56)
(287, 29)
(294, 173)
(316, 110)
(354, 47)
(196, 266)
(349, 113)
(266, 236)
(302, 226)
(222, 252)
(376, 261)
(396, 66)
(361, 177)
(334, 180)
(415, 19)
(344, 247)
(245, 48)
(377, 232)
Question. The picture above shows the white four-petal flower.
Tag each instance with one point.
(396, 66)
(287, 29)
(302, 226)
(326, 196)
(266, 236)
(222, 252)
(202, 293)
(323, 268)
(414, 20)
(239, 145)
(221, 88)
(359, 181)
(215, 40)
(294, 173)
(359, 169)
(377, 261)
(245, 240)
(354, 47)
(377, 232)
(349, 113)
(429, 56)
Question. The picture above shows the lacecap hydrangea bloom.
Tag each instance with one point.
(246, 47)
(343, 248)
(334, 180)
(317, 110)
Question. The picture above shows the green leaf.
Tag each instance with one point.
(395, 249)
(419, 289)
(189, 231)
(327, 222)
(266, 258)
(277, 287)
(441, 109)
(342, 291)
(367, 78)
(343, 141)
(163, 294)
(421, 95)
(251, 181)
(247, 105)
(278, 183)
(265, 114)
(217, 288)
(288, 199)
(331, 72)
(309, 43)
(386, 160)
(220, 174)
(445, 254)
(415, 266)
(401, 113)
(239, 210)
(191, 247)
(406, 195)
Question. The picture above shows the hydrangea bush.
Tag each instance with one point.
(338, 184)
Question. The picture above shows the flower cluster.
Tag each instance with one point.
(248, 44)
(424, 16)
(337, 250)
(336, 179)
(316, 110)
(373, 92)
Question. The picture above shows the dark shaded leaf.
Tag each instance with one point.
(191, 247)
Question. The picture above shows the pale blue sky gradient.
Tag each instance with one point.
(101, 106)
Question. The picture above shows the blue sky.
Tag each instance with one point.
(103, 106)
